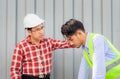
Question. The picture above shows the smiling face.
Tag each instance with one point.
(37, 32)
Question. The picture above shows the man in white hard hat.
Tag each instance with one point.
(32, 58)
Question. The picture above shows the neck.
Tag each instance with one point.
(84, 40)
(35, 41)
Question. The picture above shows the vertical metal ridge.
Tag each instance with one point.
(35, 6)
(25, 14)
(73, 6)
(53, 18)
(112, 21)
(101, 16)
(63, 50)
(54, 36)
(16, 23)
(44, 13)
(6, 36)
(92, 19)
(73, 15)
(83, 11)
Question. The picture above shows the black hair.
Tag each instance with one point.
(71, 26)
(28, 28)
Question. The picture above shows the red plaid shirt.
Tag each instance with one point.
(32, 59)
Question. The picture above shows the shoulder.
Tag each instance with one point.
(21, 43)
(98, 37)
(98, 40)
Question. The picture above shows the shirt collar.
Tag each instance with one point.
(29, 40)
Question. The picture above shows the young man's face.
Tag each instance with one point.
(77, 39)
(37, 33)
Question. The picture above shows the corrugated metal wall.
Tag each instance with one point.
(100, 16)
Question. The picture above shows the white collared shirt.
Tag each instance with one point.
(102, 53)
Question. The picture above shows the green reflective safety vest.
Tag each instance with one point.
(112, 67)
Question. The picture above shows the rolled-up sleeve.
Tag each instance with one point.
(58, 44)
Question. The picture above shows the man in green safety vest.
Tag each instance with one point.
(98, 52)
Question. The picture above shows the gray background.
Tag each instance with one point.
(99, 16)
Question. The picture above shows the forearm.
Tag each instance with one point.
(58, 44)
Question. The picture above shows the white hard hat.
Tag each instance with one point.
(32, 20)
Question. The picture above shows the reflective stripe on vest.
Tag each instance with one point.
(113, 65)
(87, 58)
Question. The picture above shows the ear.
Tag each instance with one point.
(79, 32)
(82, 33)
